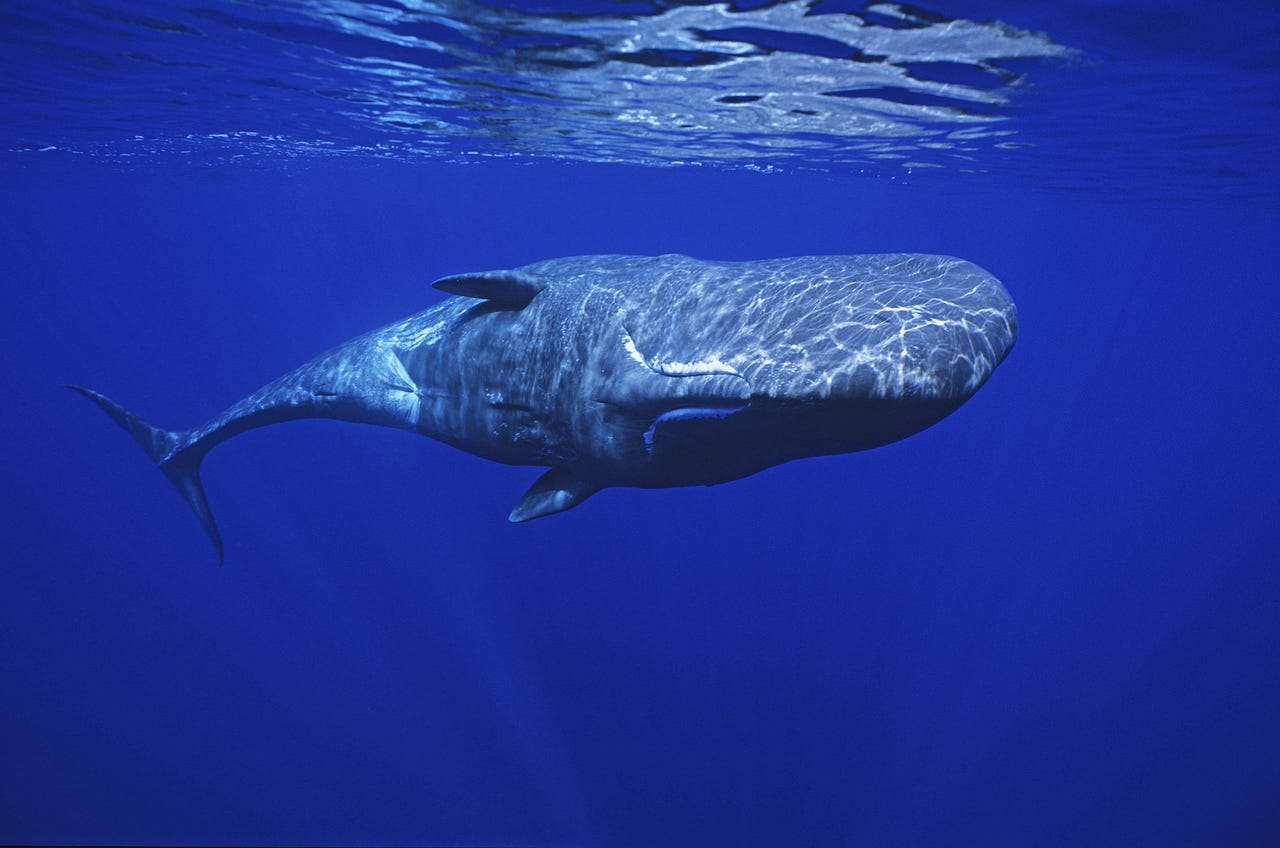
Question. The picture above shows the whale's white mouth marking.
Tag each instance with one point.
(675, 368)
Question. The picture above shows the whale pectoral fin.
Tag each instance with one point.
(509, 289)
(555, 491)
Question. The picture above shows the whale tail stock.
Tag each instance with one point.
(177, 454)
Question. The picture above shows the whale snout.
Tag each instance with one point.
(910, 375)
(956, 335)
(980, 341)
(940, 359)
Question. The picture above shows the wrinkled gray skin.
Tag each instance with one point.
(647, 371)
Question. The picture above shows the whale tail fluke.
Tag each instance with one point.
(177, 455)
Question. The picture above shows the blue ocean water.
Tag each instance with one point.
(1051, 619)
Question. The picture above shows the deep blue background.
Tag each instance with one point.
(1050, 619)
(1053, 619)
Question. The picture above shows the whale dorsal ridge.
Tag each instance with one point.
(510, 289)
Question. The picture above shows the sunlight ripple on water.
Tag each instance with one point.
(780, 84)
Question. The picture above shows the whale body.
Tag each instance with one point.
(644, 371)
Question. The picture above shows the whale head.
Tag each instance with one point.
(771, 361)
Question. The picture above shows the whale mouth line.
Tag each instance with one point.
(689, 414)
